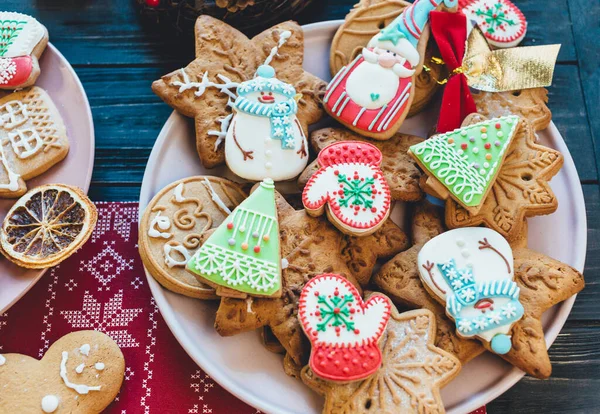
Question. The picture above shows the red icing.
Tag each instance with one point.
(23, 69)
(350, 151)
(352, 109)
(344, 369)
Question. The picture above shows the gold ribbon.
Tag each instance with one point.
(507, 69)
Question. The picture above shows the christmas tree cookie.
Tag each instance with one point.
(343, 329)
(351, 186)
(243, 253)
(501, 22)
(464, 163)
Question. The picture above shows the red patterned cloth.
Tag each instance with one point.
(103, 287)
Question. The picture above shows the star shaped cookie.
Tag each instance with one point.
(309, 246)
(410, 377)
(521, 188)
(227, 56)
(400, 170)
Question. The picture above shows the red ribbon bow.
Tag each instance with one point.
(450, 33)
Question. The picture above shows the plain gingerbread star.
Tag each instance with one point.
(400, 170)
(521, 188)
(221, 49)
(311, 246)
(410, 377)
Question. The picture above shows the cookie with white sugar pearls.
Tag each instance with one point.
(81, 372)
(22, 42)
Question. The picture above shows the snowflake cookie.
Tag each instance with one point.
(464, 163)
(81, 372)
(501, 21)
(343, 329)
(472, 270)
(351, 186)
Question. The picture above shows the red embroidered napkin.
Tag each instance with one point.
(103, 287)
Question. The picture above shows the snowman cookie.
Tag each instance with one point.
(372, 94)
(264, 138)
(81, 372)
(351, 187)
(343, 329)
(501, 22)
(471, 270)
(22, 41)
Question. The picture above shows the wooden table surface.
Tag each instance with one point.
(117, 57)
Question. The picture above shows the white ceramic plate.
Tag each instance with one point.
(62, 84)
(247, 369)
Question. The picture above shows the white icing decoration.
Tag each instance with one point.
(99, 366)
(79, 388)
(249, 302)
(215, 197)
(200, 87)
(223, 132)
(25, 142)
(13, 177)
(170, 261)
(284, 263)
(50, 403)
(178, 193)
(79, 368)
(13, 114)
(26, 39)
(2, 360)
(85, 349)
(285, 163)
(8, 70)
(283, 37)
(163, 223)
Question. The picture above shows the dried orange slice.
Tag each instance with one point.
(47, 225)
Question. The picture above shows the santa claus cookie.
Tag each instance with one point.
(471, 270)
(501, 22)
(463, 164)
(243, 253)
(82, 372)
(350, 186)
(372, 94)
(22, 41)
(343, 329)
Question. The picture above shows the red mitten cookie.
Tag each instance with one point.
(344, 331)
(501, 21)
(351, 185)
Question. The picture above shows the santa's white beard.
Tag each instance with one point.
(398, 69)
(371, 86)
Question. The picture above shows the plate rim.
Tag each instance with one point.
(477, 401)
(91, 155)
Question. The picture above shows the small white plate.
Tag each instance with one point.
(62, 84)
(248, 370)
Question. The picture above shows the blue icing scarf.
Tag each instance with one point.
(279, 113)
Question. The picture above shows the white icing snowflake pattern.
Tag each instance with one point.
(468, 295)
(480, 324)
(112, 320)
(281, 107)
(509, 310)
(285, 120)
(8, 70)
(495, 317)
(287, 88)
(278, 132)
(466, 275)
(457, 284)
(451, 274)
(447, 265)
(277, 121)
(464, 326)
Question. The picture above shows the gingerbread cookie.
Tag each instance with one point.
(344, 330)
(32, 139)
(463, 164)
(223, 84)
(372, 94)
(309, 246)
(500, 21)
(521, 189)
(410, 378)
(22, 42)
(243, 253)
(470, 270)
(47, 225)
(81, 372)
(399, 169)
(174, 223)
(364, 21)
(351, 187)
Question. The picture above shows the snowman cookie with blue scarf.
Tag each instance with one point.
(471, 271)
(265, 138)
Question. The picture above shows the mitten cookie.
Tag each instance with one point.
(22, 41)
(82, 372)
(344, 330)
(501, 22)
(373, 93)
(351, 186)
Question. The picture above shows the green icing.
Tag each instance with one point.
(228, 258)
(495, 18)
(9, 30)
(466, 160)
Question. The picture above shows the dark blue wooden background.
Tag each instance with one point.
(117, 58)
